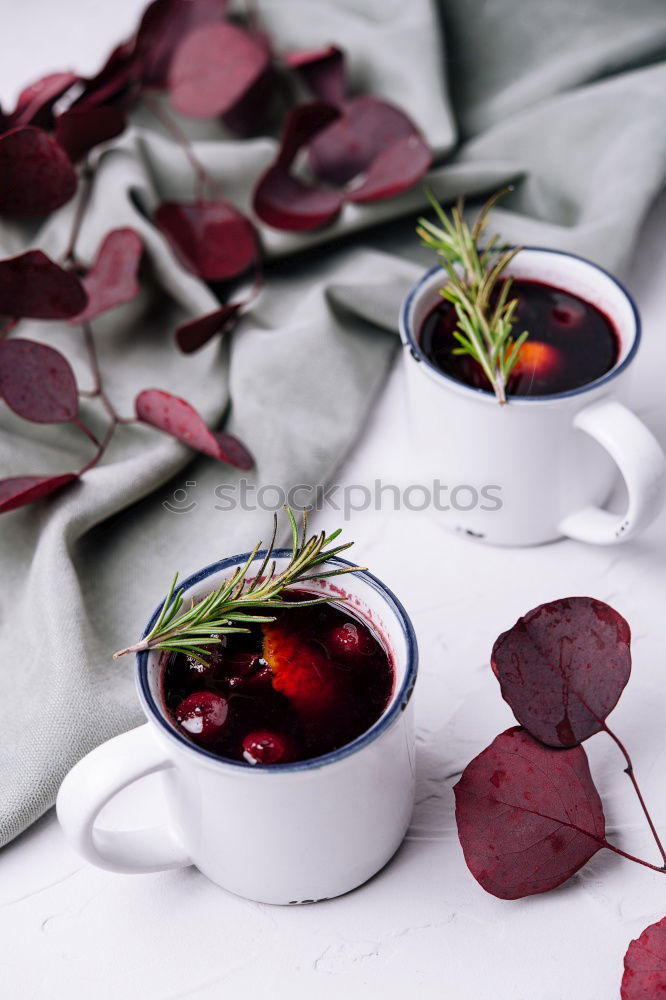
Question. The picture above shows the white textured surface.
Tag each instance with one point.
(422, 927)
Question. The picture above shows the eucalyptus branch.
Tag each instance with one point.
(68, 255)
(239, 602)
(202, 178)
(477, 289)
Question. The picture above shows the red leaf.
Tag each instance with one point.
(645, 965)
(36, 101)
(213, 67)
(194, 334)
(117, 81)
(233, 451)
(349, 146)
(563, 667)
(163, 25)
(37, 382)
(112, 278)
(528, 816)
(21, 490)
(81, 128)
(36, 175)
(301, 126)
(210, 238)
(176, 417)
(284, 201)
(323, 70)
(249, 113)
(397, 168)
(33, 285)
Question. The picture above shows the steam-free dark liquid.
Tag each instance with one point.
(570, 342)
(312, 681)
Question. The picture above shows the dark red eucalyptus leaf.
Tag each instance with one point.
(233, 451)
(36, 175)
(213, 67)
(284, 201)
(79, 129)
(562, 668)
(365, 129)
(33, 285)
(21, 490)
(176, 417)
(37, 382)
(210, 238)
(397, 168)
(645, 965)
(195, 333)
(112, 278)
(35, 103)
(323, 71)
(163, 25)
(301, 126)
(117, 82)
(528, 816)
(253, 109)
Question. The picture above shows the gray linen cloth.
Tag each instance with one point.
(565, 99)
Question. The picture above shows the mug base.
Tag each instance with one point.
(280, 898)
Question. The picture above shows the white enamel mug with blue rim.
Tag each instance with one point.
(281, 833)
(546, 465)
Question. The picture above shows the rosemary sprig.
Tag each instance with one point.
(485, 315)
(238, 602)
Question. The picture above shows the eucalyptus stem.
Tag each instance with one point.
(68, 255)
(202, 179)
(98, 392)
(629, 771)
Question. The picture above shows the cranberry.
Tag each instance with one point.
(350, 640)
(568, 312)
(240, 663)
(248, 671)
(194, 668)
(266, 747)
(203, 715)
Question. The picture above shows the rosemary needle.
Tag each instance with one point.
(239, 602)
(483, 308)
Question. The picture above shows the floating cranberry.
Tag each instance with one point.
(194, 668)
(351, 640)
(266, 747)
(247, 672)
(203, 715)
(240, 663)
(568, 312)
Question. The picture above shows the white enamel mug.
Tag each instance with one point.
(280, 833)
(540, 467)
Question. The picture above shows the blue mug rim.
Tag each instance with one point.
(400, 700)
(410, 340)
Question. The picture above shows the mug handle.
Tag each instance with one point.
(640, 459)
(93, 782)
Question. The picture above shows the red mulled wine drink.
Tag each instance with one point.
(570, 343)
(311, 681)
